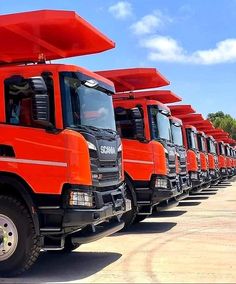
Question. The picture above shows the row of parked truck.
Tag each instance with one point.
(85, 154)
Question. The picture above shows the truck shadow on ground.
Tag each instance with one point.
(165, 214)
(148, 228)
(67, 267)
(189, 203)
(196, 198)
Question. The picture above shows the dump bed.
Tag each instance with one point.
(126, 80)
(50, 34)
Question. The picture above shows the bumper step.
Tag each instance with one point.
(165, 205)
(85, 237)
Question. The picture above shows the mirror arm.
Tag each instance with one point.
(52, 129)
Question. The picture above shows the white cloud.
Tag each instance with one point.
(225, 51)
(150, 23)
(163, 48)
(121, 10)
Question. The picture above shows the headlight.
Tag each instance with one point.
(161, 183)
(79, 198)
(194, 176)
(91, 146)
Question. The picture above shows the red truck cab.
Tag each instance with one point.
(149, 154)
(178, 140)
(213, 160)
(61, 175)
(202, 146)
(191, 145)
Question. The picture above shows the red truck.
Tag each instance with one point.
(149, 154)
(61, 175)
(190, 143)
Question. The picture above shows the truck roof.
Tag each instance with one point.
(163, 96)
(132, 79)
(177, 110)
(53, 34)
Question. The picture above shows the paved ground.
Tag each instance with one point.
(195, 242)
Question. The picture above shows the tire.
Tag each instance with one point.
(129, 216)
(139, 218)
(69, 246)
(22, 246)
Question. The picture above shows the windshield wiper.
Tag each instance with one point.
(110, 130)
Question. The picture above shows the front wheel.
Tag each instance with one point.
(19, 244)
(129, 216)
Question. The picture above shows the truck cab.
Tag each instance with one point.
(149, 156)
(193, 157)
(144, 126)
(229, 160)
(213, 160)
(222, 160)
(202, 146)
(61, 173)
(177, 138)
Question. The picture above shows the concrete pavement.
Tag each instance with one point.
(195, 242)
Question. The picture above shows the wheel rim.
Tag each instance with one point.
(8, 237)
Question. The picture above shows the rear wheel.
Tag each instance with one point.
(19, 244)
(129, 216)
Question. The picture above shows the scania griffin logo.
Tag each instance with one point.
(107, 150)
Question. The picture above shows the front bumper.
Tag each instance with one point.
(184, 182)
(230, 172)
(215, 176)
(147, 198)
(206, 179)
(108, 204)
(223, 173)
(196, 181)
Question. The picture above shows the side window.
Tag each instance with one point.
(124, 123)
(19, 100)
(189, 138)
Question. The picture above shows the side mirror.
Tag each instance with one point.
(137, 120)
(40, 102)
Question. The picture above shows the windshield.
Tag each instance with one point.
(86, 104)
(222, 149)
(201, 143)
(160, 124)
(227, 151)
(211, 146)
(192, 139)
(177, 136)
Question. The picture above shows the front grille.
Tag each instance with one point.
(172, 168)
(105, 173)
(110, 176)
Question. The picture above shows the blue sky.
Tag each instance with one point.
(191, 42)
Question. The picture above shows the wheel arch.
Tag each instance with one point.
(13, 185)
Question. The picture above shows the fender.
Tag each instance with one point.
(22, 189)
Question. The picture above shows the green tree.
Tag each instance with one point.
(224, 121)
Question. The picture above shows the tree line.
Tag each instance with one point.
(224, 121)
